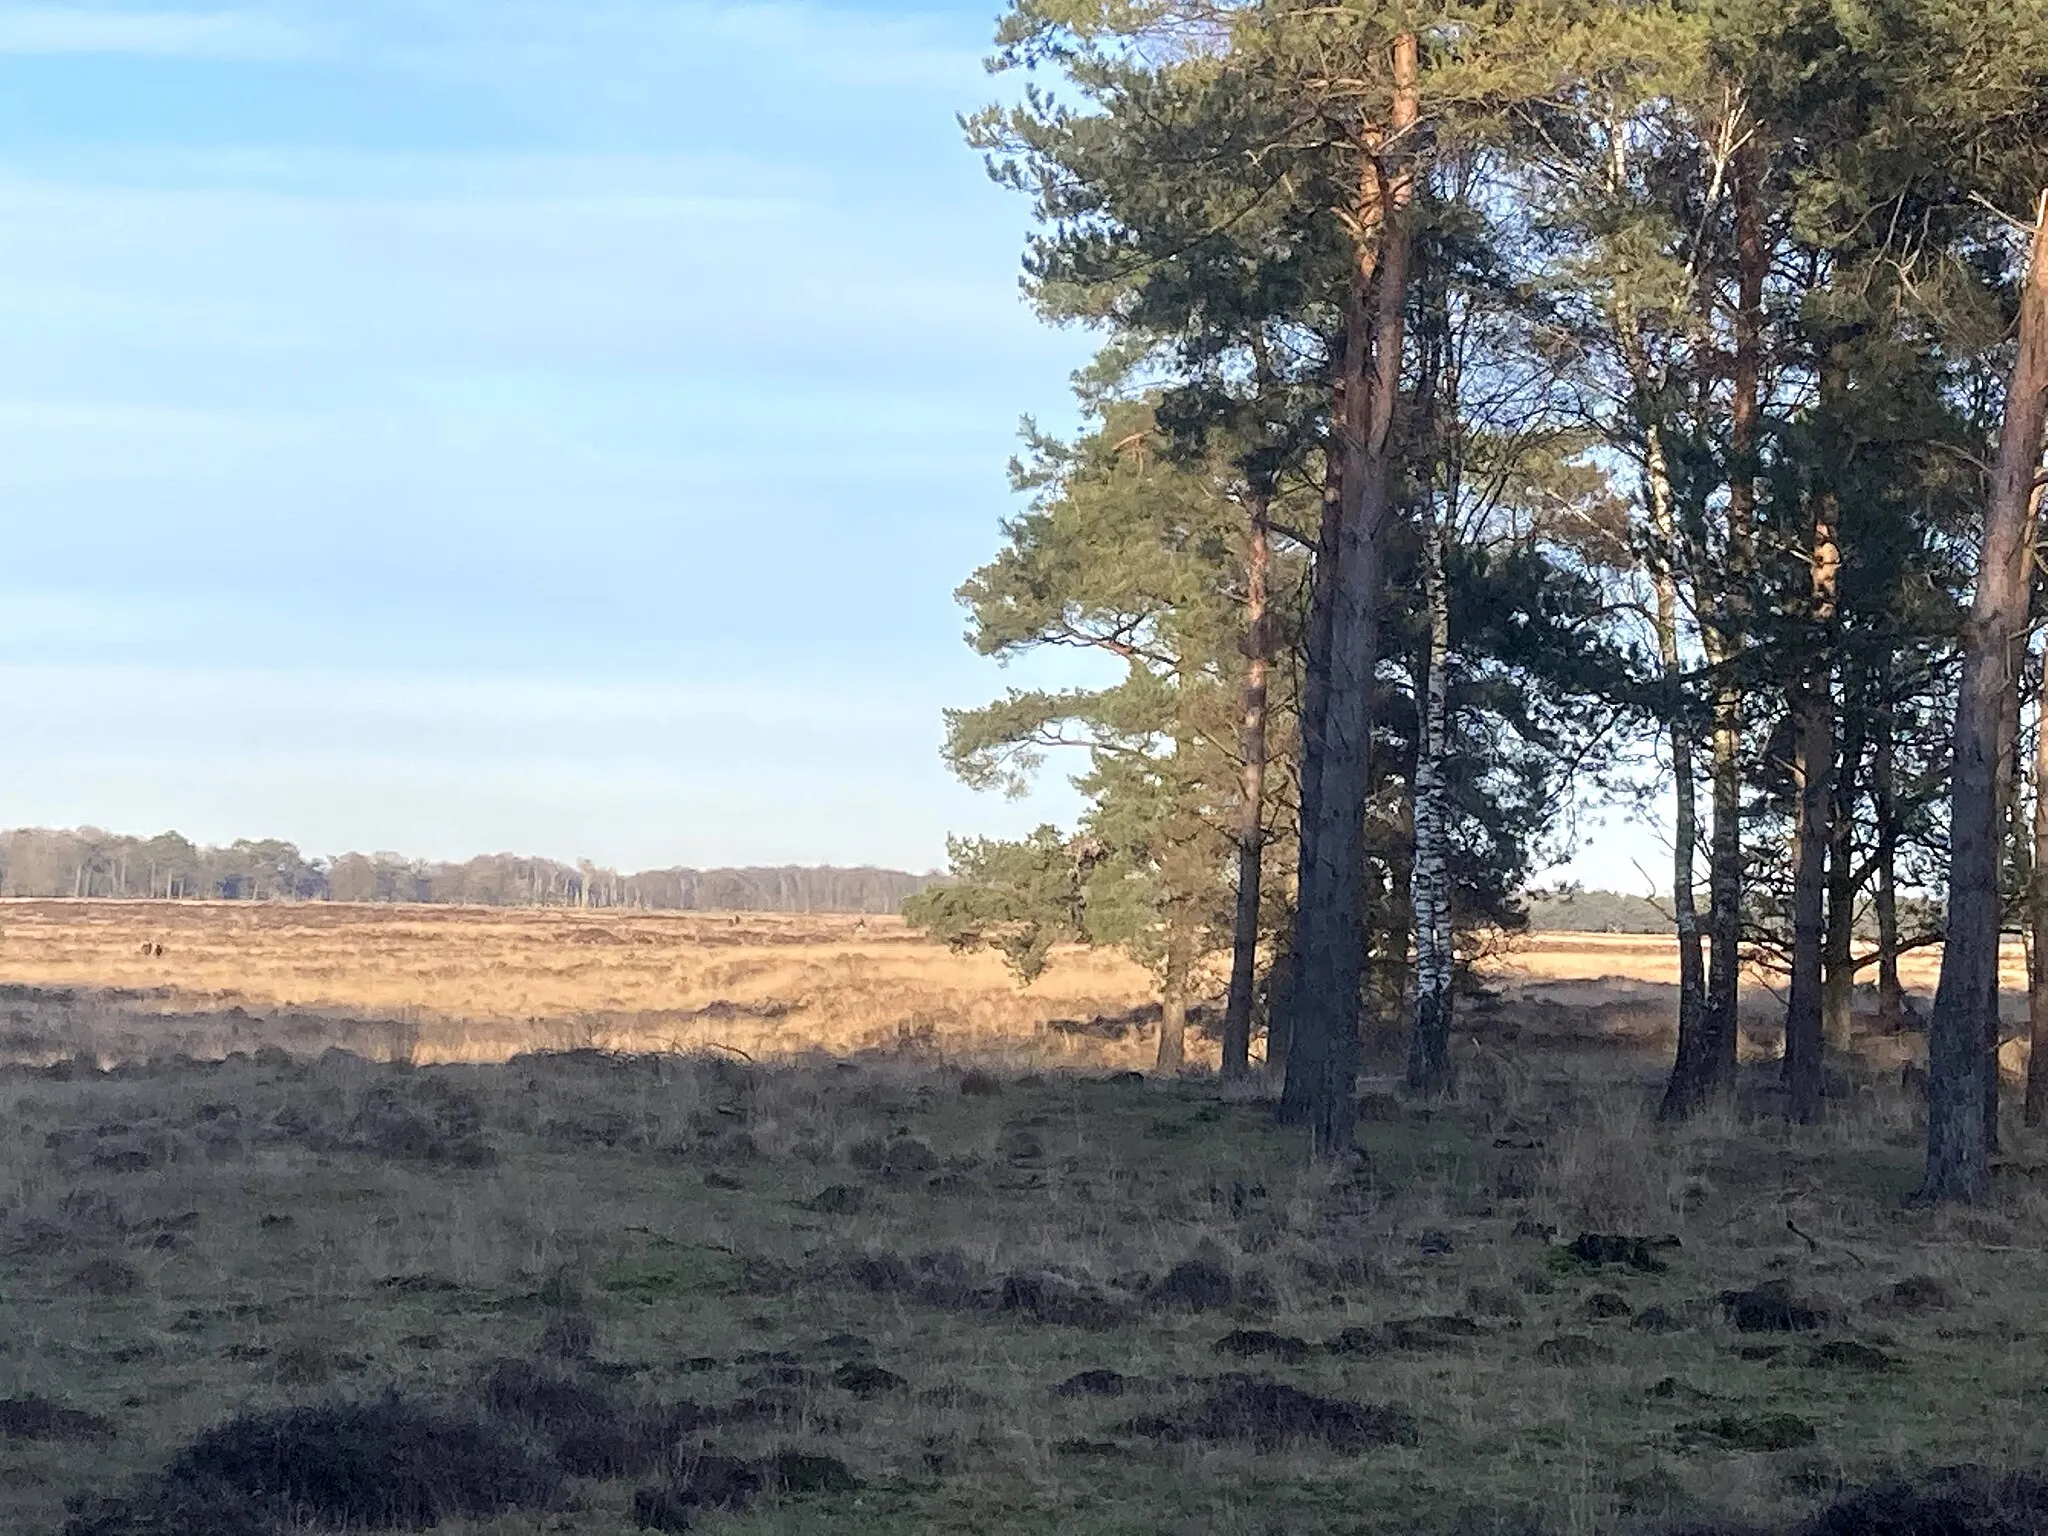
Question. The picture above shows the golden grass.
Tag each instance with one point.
(1654, 958)
(452, 984)
(475, 984)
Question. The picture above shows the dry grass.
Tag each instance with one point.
(1652, 958)
(702, 1268)
(472, 984)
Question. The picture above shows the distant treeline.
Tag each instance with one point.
(1596, 912)
(85, 862)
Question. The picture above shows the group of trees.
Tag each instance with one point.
(1496, 396)
(86, 862)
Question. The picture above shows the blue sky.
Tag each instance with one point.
(454, 425)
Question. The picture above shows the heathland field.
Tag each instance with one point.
(467, 984)
(329, 1217)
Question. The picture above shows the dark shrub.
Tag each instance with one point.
(1047, 1296)
(1770, 1308)
(1095, 1383)
(1956, 1501)
(38, 1418)
(385, 1464)
(1271, 1416)
(108, 1277)
(1198, 1284)
(865, 1380)
(422, 1120)
(589, 1433)
(811, 1472)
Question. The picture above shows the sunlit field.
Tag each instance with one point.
(368, 1218)
(129, 980)
(473, 984)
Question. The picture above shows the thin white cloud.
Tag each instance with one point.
(845, 46)
(627, 51)
(632, 52)
(50, 30)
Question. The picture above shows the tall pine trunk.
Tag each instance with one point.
(1726, 636)
(1322, 1063)
(1813, 758)
(1286, 1040)
(1838, 953)
(2037, 918)
(1251, 823)
(1966, 998)
(1173, 1007)
(1803, 1038)
(1693, 1071)
(1288, 1043)
(1690, 1069)
(2010, 771)
(1284, 995)
(1429, 1041)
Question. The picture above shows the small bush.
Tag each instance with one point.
(1199, 1284)
(840, 1200)
(38, 1418)
(1913, 1296)
(1956, 1501)
(1047, 1296)
(422, 1120)
(1752, 1432)
(108, 1277)
(589, 1433)
(1770, 1308)
(1095, 1383)
(1271, 1416)
(1244, 1343)
(864, 1380)
(386, 1464)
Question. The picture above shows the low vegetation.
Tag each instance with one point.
(914, 1286)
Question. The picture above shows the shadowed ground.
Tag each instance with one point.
(901, 1289)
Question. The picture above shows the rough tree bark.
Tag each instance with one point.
(1838, 953)
(1725, 637)
(1429, 1040)
(2037, 918)
(1173, 1007)
(1665, 562)
(1693, 1070)
(2010, 771)
(1746, 411)
(1322, 1063)
(1251, 824)
(1813, 756)
(1966, 998)
(1347, 384)
(1285, 998)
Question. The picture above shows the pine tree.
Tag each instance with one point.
(1133, 552)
